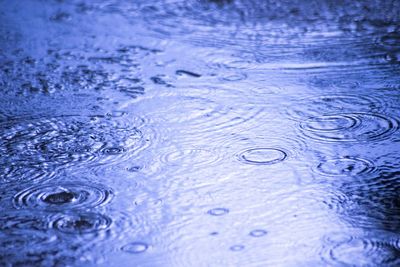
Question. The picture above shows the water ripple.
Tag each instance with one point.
(262, 156)
(198, 115)
(62, 196)
(312, 107)
(363, 250)
(350, 127)
(345, 166)
(65, 140)
(135, 247)
(80, 223)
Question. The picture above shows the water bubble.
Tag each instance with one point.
(80, 223)
(63, 196)
(135, 247)
(258, 233)
(218, 211)
(352, 127)
(262, 156)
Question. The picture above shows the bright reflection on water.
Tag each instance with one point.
(199, 133)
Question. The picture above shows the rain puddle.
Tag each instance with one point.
(199, 133)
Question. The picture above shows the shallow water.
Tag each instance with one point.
(199, 133)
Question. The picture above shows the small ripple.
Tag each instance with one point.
(236, 248)
(19, 221)
(198, 115)
(10, 173)
(135, 247)
(390, 41)
(332, 104)
(262, 156)
(345, 166)
(63, 196)
(255, 150)
(258, 233)
(362, 250)
(218, 211)
(80, 223)
(351, 127)
(191, 157)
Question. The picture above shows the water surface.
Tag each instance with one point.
(199, 133)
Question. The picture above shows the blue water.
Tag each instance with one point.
(199, 133)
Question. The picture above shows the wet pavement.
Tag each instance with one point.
(199, 133)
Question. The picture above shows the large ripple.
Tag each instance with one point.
(66, 140)
(63, 196)
(349, 127)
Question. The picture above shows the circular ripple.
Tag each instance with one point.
(197, 115)
(364, 251)
(352, 127)
(218, 211)
(17, 243)
(391, 40)
(63, 140)
(19, 221)
(345, 166)
(236, 248)
(332, 104)
(80, 223)
(258, 233)
(192, 157)
(21, 173)
(63, 196)
(135, 247)
(262, 156)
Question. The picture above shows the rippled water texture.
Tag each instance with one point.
(199, 133)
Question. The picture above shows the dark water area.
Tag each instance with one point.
(199, 133)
